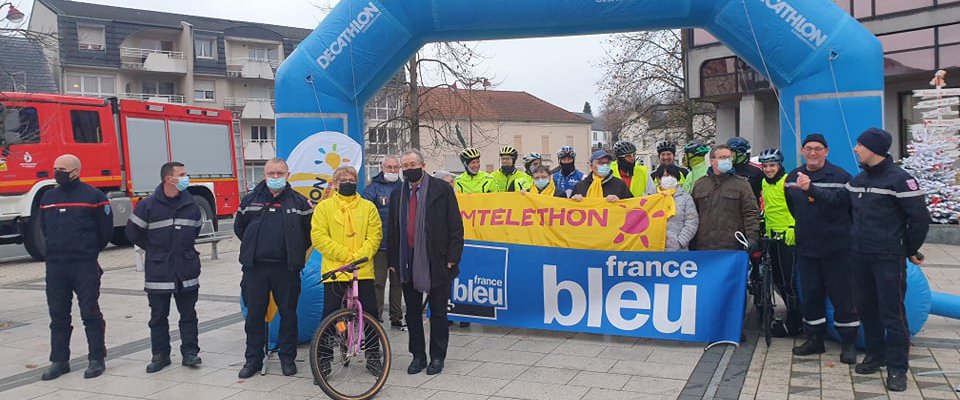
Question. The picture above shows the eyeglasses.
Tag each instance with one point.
(411, 165)
(815, 149)
(724, 157)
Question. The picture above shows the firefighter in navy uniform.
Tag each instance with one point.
(820, 205)
(890, 223)
(273, 225)
(166, 225)
(77, 225)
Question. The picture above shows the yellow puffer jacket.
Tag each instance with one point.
(339, 244)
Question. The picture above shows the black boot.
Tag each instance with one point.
(813, 345)
(870, 364)
(56, 369)
(158, 362)
(896, 380)
(94, 369)
(848, 353)
(249, 370)
(191, 360)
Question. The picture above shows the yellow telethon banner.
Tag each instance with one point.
(638, 224)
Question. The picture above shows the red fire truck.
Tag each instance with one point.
(121, 145)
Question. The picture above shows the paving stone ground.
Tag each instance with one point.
(484, 362)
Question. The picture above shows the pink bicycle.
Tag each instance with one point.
(350, 351)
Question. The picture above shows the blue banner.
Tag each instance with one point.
(686, 296)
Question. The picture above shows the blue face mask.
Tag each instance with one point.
(725, 165)
(276, 183)
(541, 183)
(603, 170)
(183, 182)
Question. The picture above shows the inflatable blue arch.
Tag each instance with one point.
(826, 67)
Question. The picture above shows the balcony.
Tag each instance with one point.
(252, 68)
(155, 98)
(153, 60)
(259, 150)
(251, 108)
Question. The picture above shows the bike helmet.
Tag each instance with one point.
(530, 158)
(739, 145)
(566, 151)
(469, 154)
(771, 155)
(666, 146)
(696, 148)
(623, 148)
(510, 152)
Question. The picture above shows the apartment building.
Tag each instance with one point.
(918, 37)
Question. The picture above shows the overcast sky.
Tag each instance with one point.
(562, 71)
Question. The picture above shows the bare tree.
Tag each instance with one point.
(645, 93)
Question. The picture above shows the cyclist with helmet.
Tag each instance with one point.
(566, 177)
(508, 178)
(778, 221)
(666, 152)
(695, 158)
(626, 168)
(742, 166)
(473, 180)
(531, 161)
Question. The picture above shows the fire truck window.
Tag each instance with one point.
(21, 126)
(86, 126)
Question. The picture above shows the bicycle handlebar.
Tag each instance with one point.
(346, 268)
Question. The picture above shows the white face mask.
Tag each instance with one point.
(391, 177)
(668, 183)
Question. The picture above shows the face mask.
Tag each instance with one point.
(391, 176)
(276, 183)
(413, 175)
(347, 189)
(567, 169)
(603, 170)
(63, 178)
(668, 183)
(725, 165)
(541, 183)
(508, 169)
(183, 182)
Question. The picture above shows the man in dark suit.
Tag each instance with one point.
(426, 242)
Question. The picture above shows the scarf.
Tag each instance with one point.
(416, 270)
(347, 205)
(669, 193)
(596, 187)
(549, 190)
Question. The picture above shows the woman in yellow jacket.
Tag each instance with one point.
(346, 228)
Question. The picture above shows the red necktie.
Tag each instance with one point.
(412, 218)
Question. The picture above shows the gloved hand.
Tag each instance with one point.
(790, 237)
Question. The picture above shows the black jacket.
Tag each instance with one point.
(611, 185)
(822, 213)
(297, 212)
(378, 192)
(890, 213)
(167, 229)
(76, 222)
(444, 228)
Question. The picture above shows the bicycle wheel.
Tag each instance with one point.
(766, 302)
(348, 364)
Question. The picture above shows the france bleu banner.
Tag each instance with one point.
(686, 296)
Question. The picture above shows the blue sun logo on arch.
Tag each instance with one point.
(331, 158)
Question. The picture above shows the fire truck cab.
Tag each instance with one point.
(121, 146)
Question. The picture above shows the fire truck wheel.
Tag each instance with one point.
(33, 239)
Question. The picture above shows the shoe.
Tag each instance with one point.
(417, 365)
(896, 380)
(191, 360)
(249, 370)
(375, 366)
(813, 345)
(95, 368)
(56, 369)
(288, 368)
(848, 353)
(779, 329)
(870, 364)
(158, 363)
(464, 324)
(436, 366)
(398, 325)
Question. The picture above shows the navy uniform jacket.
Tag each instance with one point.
(76, 223)
(167, 229)
(822, 213)
(296, 212)
(890, 213)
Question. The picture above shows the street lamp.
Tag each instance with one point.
(13, 14)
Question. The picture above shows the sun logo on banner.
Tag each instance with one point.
(636, 223)
(314, 160)
(331, 158)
